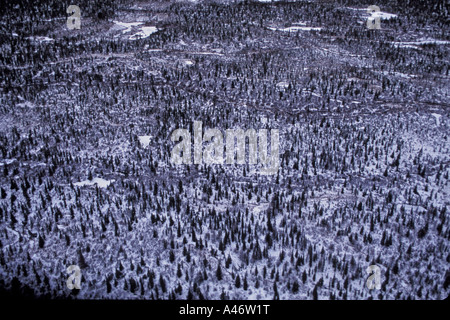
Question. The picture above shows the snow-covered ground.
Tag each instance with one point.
(364, 154)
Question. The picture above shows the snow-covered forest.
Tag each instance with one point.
(86, 177)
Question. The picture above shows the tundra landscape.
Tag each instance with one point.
(91, 170)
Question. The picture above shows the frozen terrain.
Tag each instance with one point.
(86, 177)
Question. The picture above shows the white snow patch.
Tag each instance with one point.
(206, 53)
(127, 25)
(7, 161)
(144, 140)
(40, 164)
(102, 183)
(360, 9)
(41, 39)
(400, 45)
(282, 84)
(399, 74)
(294, 28)
(146, 32)
(260, 208)
(26, 104)
(414, 44)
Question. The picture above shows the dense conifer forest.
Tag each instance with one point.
(86, 177)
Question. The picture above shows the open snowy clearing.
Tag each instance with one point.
(295, 28)
(102, 183)
(145, 31)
